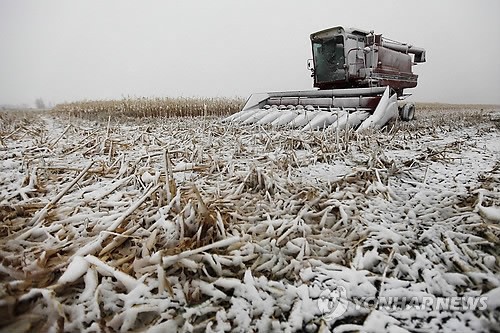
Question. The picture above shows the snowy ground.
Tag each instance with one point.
(193, 225)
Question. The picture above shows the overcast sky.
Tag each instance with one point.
(63, 50)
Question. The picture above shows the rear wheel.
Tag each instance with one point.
(407, 112)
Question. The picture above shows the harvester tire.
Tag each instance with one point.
(407, 112)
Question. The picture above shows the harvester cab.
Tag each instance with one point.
(359, 78)
(354, 59)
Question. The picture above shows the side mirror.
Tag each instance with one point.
(310, 65)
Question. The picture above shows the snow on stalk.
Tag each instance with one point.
(198, 225)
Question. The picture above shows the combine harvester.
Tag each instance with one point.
(359, 75)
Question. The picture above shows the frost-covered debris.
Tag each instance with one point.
(194, 225)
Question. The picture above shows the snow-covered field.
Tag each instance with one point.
(190, 224)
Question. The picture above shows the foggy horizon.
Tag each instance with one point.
(90, 50)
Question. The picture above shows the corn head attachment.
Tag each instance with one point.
(319, 109)
(360, 77)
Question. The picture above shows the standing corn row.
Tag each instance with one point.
(153, 107)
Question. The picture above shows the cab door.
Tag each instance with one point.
(329, 62)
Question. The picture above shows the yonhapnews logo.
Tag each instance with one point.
(333, 303)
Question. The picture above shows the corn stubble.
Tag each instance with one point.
(204, 226)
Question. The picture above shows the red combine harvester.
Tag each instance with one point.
(359, 75)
